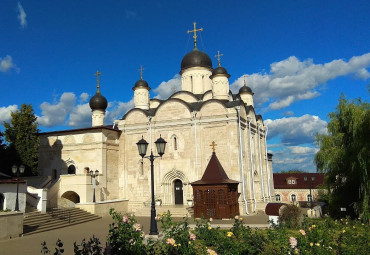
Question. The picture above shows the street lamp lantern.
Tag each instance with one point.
(161, 145)
(16, 171)
(142, 146)
(94, 175)
(311, 180)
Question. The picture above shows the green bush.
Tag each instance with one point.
(291, 216)
(312, 236)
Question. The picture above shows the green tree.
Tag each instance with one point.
(344, 157)
(22, 136)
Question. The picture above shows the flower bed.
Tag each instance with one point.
(320, 236)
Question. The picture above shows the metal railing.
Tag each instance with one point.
(60, 212)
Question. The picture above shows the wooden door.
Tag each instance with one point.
(179, 196)
(222, 211)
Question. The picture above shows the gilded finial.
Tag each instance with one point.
(195, 30)
(141, 72)
(213, 144)
(97, 81)
(218, 56)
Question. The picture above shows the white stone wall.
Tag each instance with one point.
(220, 87)
(9, 190)
(97, 118)
(196, 80)
(141, 98)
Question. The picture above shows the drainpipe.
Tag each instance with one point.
(150, 131)
(241, 160)
(196, 144)
(261, 169)
(267, 164)
(252, 169)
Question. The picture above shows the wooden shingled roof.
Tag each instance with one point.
(214, 174)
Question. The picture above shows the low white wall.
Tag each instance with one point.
(9, 190)
(102, 208)
(41, 198)
(11, 225)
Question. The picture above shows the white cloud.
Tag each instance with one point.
(302, 150)
(5, 113)
(21, 15)
(296, 130)
(80, 116)
(83, 97)
(117, 110)
(294, 157)
(167, 88)
(292, 80)
(7, 63)
(56, 114)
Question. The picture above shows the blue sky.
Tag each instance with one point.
(299, 56)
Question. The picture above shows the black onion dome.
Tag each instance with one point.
(98, 102)
(141, 83)
(196, 58)
(220, 71)
(245, 89)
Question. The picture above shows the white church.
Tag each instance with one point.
(203, 111)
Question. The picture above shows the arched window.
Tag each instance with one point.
(309, 198)
(71, 169)
(277, 197)
(175, 143)
(293, 197)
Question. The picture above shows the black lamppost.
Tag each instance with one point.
(142, 146)
(16, 171)
(311, 180)
(93, 175)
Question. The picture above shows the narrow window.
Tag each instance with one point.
(175, 143)
(293, 198)
(309, 198)
(277, 197)
(55, 174)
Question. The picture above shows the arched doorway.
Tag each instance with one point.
(2, 199)
(71, 169)
(179, 194)
(70, 198)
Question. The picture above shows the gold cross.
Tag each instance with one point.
(97, 80)
(218, 56)
(141, 72)
(213, 144)
(195, 33)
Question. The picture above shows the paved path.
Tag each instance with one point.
(31, 245)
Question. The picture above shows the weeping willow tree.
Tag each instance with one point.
(344, 157)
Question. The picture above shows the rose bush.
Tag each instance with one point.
(312, 236)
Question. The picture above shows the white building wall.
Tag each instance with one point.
(9, 190)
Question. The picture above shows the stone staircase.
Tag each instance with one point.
(36, 222)
(176, 210)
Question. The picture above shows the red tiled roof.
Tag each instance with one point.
(280, 180)
(214, 173)
(272, 209)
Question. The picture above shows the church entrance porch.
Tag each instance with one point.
(178, 189)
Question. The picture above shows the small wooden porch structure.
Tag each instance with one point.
(215, 195)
